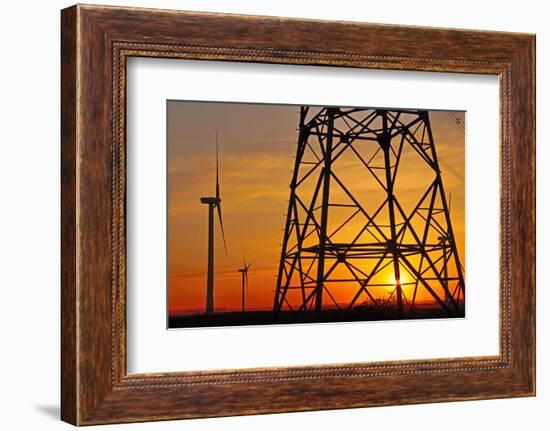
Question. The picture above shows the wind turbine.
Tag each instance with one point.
(244, 278)
(213, 203)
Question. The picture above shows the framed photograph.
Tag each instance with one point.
(269, 215)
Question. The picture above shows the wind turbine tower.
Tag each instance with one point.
(244, 281)
(214, 203)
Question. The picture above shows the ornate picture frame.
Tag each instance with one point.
(96, 41)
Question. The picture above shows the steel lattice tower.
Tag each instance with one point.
(354, 239)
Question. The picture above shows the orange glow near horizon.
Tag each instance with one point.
(257, 150)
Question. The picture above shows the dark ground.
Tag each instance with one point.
(238, 318)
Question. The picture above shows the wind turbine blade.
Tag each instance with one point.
(249, 265)
(221, 226)
(217, 170)
(218, 200)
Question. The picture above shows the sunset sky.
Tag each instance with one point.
(257, 149)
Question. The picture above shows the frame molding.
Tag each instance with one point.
(96, 41)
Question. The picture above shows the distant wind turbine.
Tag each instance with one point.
(244, 280)
(213, 203)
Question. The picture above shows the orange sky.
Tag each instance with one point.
(257, 149)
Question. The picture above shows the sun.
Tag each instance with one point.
(405, 280)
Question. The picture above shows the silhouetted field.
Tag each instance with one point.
(266, 317)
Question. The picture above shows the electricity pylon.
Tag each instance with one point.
(368, 225)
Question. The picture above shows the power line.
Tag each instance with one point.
(457, 120)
